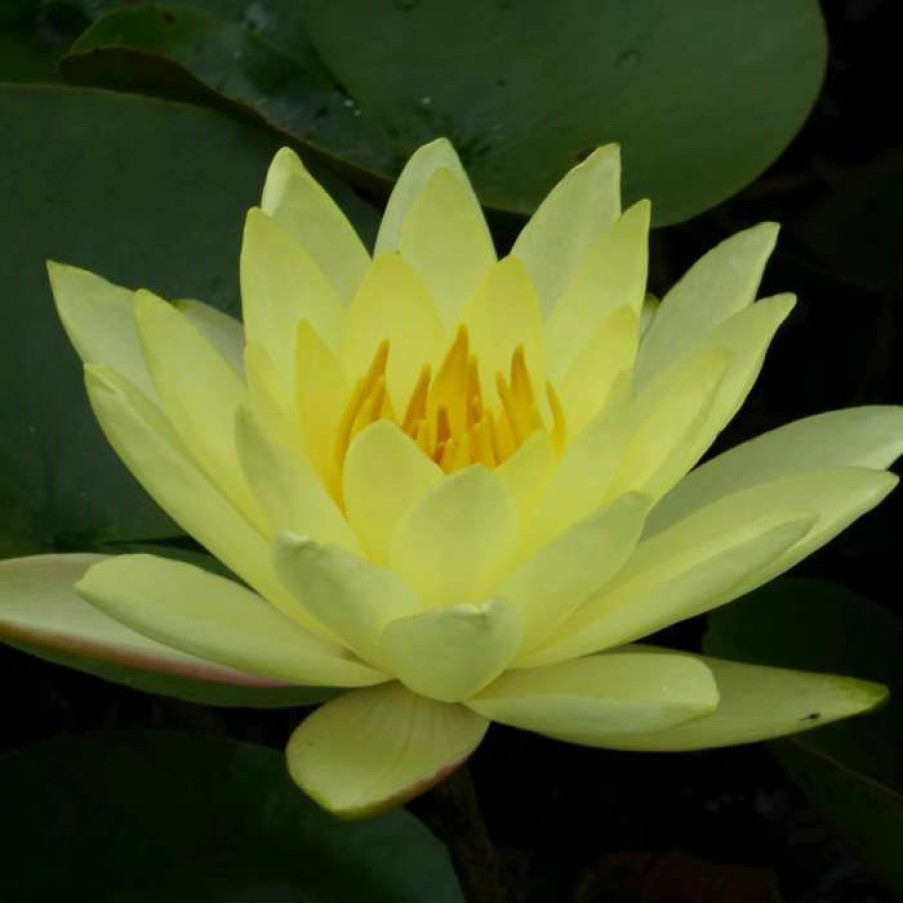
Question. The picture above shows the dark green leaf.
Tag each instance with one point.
(853, 771)
(176, 51)
(146, 817)
(702, 95)
(146, 193)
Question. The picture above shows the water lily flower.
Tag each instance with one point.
(458, 487)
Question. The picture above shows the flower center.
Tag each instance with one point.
(448, 416)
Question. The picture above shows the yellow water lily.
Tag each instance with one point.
(457, 486)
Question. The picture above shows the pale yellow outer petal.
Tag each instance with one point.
(347, 594)
(295, 200)
(384, 477)
(419, 169)
(451, 653)
(39, 607)
(149, 446)
(288, 488)
(589, 379)
(611, 276)
(225, 333)
(454, 545)
(392, 303)
(502, 315)
(718, 285)
(281, 284)
(664, 423)
(756, 703)
(672, 580)
(859, 437)
(200, 394)
(100, 322)
(567, 223)
(371, 750)
(746, 336)
(214, 618)
(718, 553)
(444, 237)
(590, 699)
(557, 578)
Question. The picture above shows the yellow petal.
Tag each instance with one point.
(266, 399)
(288, 488)
(385, 476)
(149, 446)
(858, 437)
(580, 482)
(757, 703)
(557, 578)
(419, 169)
(392, 303)
(214, 618)
(100, 322)
(444, 237)
(719, 553)
(281, 285)
(503, 315)
(611, 276)
(295, 200)
(373, 749)
(588, 381)
(717, 286)
(40, 607)
(837, 496)
(674, 578)
(746, 337)
(321, 393)
(451, 653)
(199, 393)
(453, 545)
(664, 423)
(567, 223)
(225, 333)
(348, 594)
(525, 473)
(590, 699)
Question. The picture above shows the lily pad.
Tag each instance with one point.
(852, 771)
(702, 95)
(147, 193)
(149, 816)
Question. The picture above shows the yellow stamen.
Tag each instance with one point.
(448, 416)
(416, 409)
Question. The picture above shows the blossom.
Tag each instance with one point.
(458, 487)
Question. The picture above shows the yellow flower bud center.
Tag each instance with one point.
(448, 414)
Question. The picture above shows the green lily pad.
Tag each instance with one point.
(702, 95)
(147, 193)
(852, 771)
(143, 817)
(184, 52)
